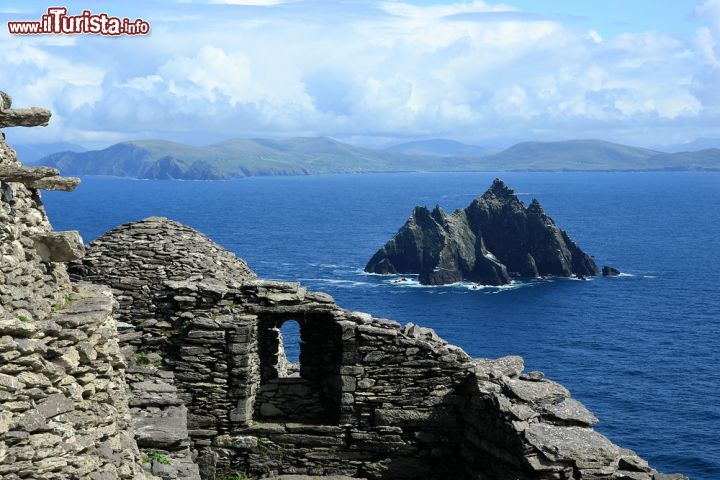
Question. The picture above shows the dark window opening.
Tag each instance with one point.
(299, 370)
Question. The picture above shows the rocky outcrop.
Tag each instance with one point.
(491, 241)
(610, 271)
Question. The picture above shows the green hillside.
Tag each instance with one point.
(708, 159)
(159, 159)
(571, 155)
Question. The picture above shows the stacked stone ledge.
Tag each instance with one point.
(373, 400)
(64, 411)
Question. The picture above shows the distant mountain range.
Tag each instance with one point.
(695, 145)
(29, 153)
(159, 159)
(440, 147)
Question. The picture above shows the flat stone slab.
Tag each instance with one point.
(62, 184)
(544, 391)
(574, 444)
(570, 410)
(165, 429)
(21, 174)
(510, 366)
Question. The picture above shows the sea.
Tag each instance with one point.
(641, 350)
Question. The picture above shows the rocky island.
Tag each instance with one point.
(156, 353)
(491, 241)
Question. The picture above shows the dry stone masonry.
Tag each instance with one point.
(64, 403)
(373, 399)
(160, 356)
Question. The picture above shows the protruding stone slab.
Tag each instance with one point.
(63, 184)
(59, 246)
(21, 117)
(20, 174)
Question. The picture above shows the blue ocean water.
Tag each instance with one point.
(641, 351)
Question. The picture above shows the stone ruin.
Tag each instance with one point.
(160, 355)
(64, 401)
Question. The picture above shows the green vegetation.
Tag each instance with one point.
(155, 456)
(23, 318)
(186, 325)
(60, 306)
(141, 359)
(572, 155)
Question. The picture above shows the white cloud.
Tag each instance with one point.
(469, 70)
(250, 2)
(594, 36)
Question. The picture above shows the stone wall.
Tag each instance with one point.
(373, 399)
(29, 287)
(64, 402)
(63, 399)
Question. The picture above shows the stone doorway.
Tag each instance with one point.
(307, 391)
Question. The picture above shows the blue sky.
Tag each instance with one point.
(634, 71)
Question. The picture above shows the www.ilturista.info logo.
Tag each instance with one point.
(57, 21)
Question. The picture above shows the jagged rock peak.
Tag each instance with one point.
(535, 207)
(499, 189)
(490, 241)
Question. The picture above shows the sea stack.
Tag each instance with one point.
(491, 241)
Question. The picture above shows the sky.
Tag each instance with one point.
(640, 72)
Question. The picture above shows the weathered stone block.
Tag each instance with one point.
(59, 246)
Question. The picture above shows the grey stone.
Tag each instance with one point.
(166, 430)
(570, 410)
(54, 405)
(59, 246)
(64, 184)
(25, 117)
(545, 391)
(572, 444)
